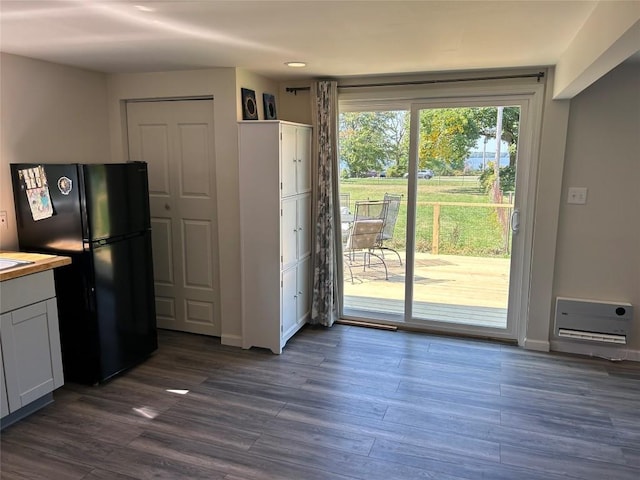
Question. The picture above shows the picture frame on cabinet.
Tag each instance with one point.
(269, 103)
(249, 107)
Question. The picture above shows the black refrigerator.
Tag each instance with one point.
(97, 214)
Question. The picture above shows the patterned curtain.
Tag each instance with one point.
(324, 301)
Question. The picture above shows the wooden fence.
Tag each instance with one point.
(504, 214)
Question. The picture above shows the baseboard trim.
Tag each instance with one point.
(537, 345)
(27, 410)
(231, 340)
(596, 350)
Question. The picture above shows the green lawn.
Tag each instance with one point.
(464, 230)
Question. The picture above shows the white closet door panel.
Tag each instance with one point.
(161, 239)
(153, 145)
(196, 255)
(194, 155)
(165, 308)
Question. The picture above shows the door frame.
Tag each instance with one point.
(529, 97)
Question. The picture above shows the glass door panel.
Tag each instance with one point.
(374, 156)
(465, 188)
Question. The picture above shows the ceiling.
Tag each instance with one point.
(335, 38)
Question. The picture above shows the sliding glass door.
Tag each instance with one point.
(450, 253)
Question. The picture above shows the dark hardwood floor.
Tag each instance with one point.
(342, 403)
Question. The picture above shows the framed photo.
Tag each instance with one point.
(269, 102)
(249, 107)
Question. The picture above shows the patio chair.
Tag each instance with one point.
(370, 209)
(390, 219)
(364, 235)
(363, 210)
(345, 202)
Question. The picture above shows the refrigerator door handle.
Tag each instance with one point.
(89, 295)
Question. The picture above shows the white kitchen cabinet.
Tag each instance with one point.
(295, 158)
(275, 230)
(296, 298)
(30, 341)
(4, 400)
(295, 231)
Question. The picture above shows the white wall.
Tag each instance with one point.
(610, 35)
(50, 113)
(295, 108)
(598, 244)
(260, 85)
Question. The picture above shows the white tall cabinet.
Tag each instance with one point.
(275, 230)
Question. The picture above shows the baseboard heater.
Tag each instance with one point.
(593, 321)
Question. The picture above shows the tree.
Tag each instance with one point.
(374, 141)
(397, 124)
(446, 138)
(486, 117)
(362, 142)
(380, 140)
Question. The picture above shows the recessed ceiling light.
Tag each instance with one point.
(144, 8)
(296, 64)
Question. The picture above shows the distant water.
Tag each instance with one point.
(475, 162)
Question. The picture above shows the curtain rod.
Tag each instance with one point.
(538, 76)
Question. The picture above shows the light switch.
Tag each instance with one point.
(577, 195)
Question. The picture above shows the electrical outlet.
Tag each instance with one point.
(577, 195)
(4, 224)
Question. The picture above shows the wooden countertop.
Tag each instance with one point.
(41, 262)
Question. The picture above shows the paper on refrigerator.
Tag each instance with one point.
(34, 180)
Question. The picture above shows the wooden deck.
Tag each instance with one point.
(447, 288)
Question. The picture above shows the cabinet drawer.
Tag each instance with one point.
(27, 290)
